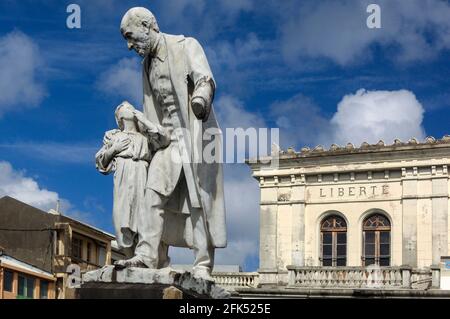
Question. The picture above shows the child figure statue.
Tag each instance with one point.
(127, 152)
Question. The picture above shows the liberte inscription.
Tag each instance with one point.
(350, 191)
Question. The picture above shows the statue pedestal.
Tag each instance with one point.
(144, 283)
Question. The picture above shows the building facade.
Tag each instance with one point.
(379, 205)
(19, 280)
(51, 242)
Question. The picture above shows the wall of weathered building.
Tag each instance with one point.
(23, 233)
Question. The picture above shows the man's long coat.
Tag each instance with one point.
(189, 71)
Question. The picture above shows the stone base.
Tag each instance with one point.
(144, 283)
(103, 290)
(340, 293)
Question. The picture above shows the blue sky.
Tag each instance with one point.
(297, 65)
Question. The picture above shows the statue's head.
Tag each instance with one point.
(137, 27)
(124, 112)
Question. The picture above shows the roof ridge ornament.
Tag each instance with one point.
(291, 150)
(430, 140)
(380, 143)
(305, 149)
(319, 148)
(364, 145)
(334, 147)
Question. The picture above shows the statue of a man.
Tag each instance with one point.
(184, 200)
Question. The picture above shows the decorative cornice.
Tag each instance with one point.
(349, 148)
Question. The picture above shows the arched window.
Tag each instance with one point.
(376, 240)
(333, 232)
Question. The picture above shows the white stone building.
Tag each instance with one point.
(329, 215)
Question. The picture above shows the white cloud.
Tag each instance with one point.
(59, 152)
(241, 215)
(20, 61)
(204, 19)
(238, 252)
(299, 119)
(68, 209)
(237, 63)
(364, 116)
(177, 9)
(374, 115)
(124, 80)
(233, 117)
(238, 53)
(411, 30)
(231, 113)
(15, 184)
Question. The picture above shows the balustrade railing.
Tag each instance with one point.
(231, 280)
(359, 277)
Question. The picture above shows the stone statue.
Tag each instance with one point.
(127, 152)
(183, 202)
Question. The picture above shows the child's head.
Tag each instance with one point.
(124, 112)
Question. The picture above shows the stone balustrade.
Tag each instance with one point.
(360, 277)
(232, 280)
